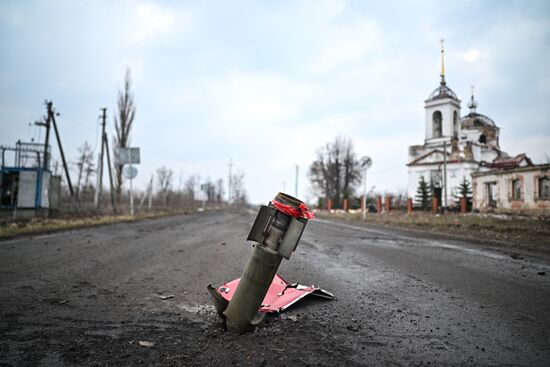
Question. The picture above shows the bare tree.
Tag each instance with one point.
(239, 195)
(219, 190)
(336, 171)
(213, 190)
(89, 171)
(164, 178)
(124, 119)
(209, 189)
(84, 165)
(351, 170)
(190, 186)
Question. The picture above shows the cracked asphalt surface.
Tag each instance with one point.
(90, 296)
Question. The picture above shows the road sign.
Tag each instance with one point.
(127, 156)
(366, 162)
(130, 172)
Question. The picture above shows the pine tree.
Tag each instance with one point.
(423, 196)
(464, 190)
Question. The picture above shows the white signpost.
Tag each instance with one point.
(128, 156)
(204, 189)
(366, 163)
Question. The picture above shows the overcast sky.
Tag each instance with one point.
(266, 83)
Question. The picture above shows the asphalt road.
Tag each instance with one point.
(90, 296)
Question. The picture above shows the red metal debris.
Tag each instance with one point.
(301, 212)
(280, 294)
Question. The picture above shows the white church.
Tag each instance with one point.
(455, 146)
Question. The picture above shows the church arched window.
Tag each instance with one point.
(483, 139)
(437, 119)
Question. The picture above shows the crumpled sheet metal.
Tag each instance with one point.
(280, 294)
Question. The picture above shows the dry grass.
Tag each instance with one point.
(522, 232)
(40, 225)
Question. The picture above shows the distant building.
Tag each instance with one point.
(523, 189)
(455, 147)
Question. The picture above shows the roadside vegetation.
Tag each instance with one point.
(48, 225)
(526, 233)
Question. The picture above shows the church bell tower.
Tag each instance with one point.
(442, 111)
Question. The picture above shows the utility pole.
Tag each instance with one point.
(444, 175)
(50, 120)
(296, 183)
(99, 177)
(131, 190)
(104, 149)
(365, 195)
(149, 203)
(229, 184)
(99, 187)
(47, 125)
(111, 185)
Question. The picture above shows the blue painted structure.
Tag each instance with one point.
(28, 159)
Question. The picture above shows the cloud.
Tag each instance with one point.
(472, 55)
(246, 99)
(346, 45)
(152, 20)
(243, 97)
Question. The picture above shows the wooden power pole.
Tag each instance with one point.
(104, 149)
(50, 120)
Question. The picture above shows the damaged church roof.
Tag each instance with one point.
(474, 120)
(442, 92)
